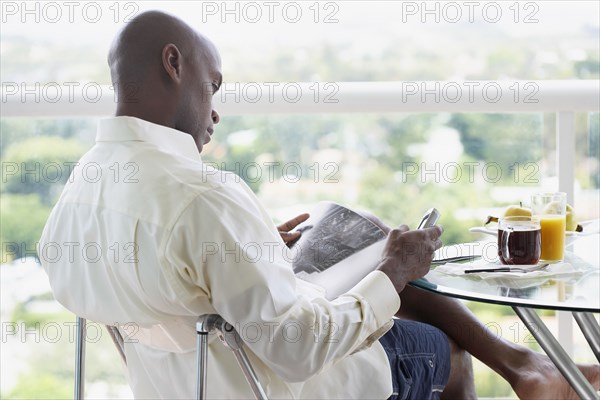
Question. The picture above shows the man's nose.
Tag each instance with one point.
(215, 117)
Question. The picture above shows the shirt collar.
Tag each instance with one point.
(123, 128)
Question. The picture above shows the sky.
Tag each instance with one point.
(255, 30)
(281, 23)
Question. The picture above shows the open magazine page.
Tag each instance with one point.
(338, 247)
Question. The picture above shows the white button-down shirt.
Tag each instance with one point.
(148, 237)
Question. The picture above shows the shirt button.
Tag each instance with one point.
(431, 363)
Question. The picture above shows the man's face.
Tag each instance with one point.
(198, 116)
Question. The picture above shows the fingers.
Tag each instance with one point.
(435, 245)
(285, 228)
(433, 237)
(408, 253)
(428, 240)
(396, 233)
(292, 223)
(434, 232)
(289, 236)
(403, 228)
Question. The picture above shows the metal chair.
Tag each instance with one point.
(205, 325)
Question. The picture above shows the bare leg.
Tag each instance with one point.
(461, 383)
(531, 375)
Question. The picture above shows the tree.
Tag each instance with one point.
(22, 218)
(508, 140)
(39, 165)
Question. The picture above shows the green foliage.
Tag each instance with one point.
(512, 59)
(485, 135)
(388, 195)
(588, 69)
(248, 146)
(52, 338)
(30, 319)
(39, 165)
(495, 311)
(488, 385)
(35, 385)
(22, 219)
(594, 148)
(45, 59)
(13, 130)
(400, 133)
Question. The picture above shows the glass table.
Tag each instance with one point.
(577, 293)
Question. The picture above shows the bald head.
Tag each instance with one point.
(139, 45)
(166, 73)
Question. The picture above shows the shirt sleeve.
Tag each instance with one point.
(224, 243)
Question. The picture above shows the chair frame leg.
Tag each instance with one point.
(118, 341)
(80, 335)
(207, 324)
(202, 356)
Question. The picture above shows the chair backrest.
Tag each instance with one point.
(205, 325)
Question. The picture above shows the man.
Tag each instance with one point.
(180, 240)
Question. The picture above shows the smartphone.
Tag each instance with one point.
(430, 218)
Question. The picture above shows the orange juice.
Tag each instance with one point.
(553, 237)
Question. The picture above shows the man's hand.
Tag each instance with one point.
(407, 254)
(285, 228)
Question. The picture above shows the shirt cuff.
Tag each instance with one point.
(379, 292)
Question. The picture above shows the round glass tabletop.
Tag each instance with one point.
(577, 291)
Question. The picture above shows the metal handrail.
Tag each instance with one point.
(242, 98)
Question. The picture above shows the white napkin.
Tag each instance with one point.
(552, 270)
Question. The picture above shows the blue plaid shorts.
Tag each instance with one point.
(419, 357)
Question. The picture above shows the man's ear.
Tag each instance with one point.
(172, 61)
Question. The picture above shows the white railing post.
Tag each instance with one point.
(565, 153)
(565, 157)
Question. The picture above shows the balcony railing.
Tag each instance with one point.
(564, 98)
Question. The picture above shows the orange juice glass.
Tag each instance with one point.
(551, 208)
(553, 237)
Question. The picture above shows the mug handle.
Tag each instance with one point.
(504, 249)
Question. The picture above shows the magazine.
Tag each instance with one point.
(338, 247)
